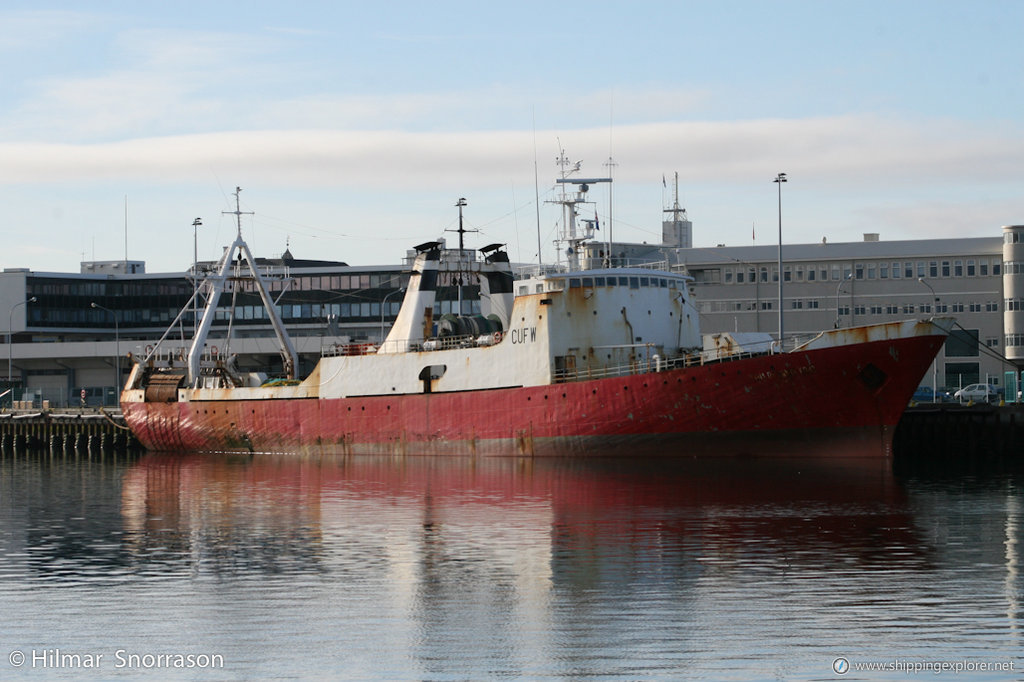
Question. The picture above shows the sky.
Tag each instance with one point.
(353, 128)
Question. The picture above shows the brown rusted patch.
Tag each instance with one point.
(162, 387)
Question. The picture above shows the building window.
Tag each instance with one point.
(958, 268)
(896, 271)
(991, 306)
(728, 275)
(764, 273)
(835, 273)
(859, 269)
(926, 307)
(892, 309)
(858, 310)
(908, 308)
(974, 307)
(961, 373)
(941, 308)
(996, 267)
(812, 304)
(933, 268)
(958, 307)
(962, 343)
(883, 271)
(876, 310)
(970, 268)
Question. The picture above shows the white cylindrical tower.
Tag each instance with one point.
(1013, 293)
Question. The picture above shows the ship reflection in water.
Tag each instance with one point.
(423, 567)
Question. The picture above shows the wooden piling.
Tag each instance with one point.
(65, 431)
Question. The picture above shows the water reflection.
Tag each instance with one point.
(279, 513)
(435, 567)
(576, 558)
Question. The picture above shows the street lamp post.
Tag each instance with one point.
(838, 287)
(934, 295)
(779, 179)
(117, 345)
(389, 295)
(10, 342)
(935, 360)
(195, 274)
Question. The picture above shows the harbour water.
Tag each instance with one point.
(185, 566)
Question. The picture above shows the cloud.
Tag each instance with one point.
(829, 152)
(34, 29)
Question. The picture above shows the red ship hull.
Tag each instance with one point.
(838, 401)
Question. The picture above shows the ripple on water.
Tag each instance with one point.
(434, 568)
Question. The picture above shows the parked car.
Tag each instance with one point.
(923, 394)
(979, 393)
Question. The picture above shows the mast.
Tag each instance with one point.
(569, 201)
(676, 228)
(462, 246)
(238, 212)
(289, 358)
(610, 163)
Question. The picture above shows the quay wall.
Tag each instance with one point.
(65, 430)
(945, 433)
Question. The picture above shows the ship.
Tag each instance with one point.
(578, 359)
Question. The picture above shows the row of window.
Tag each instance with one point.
(327, 283)
(306, 312)
(859, 309)
(631, 282)
(44, 286)
(835, 272)
(47, 286)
